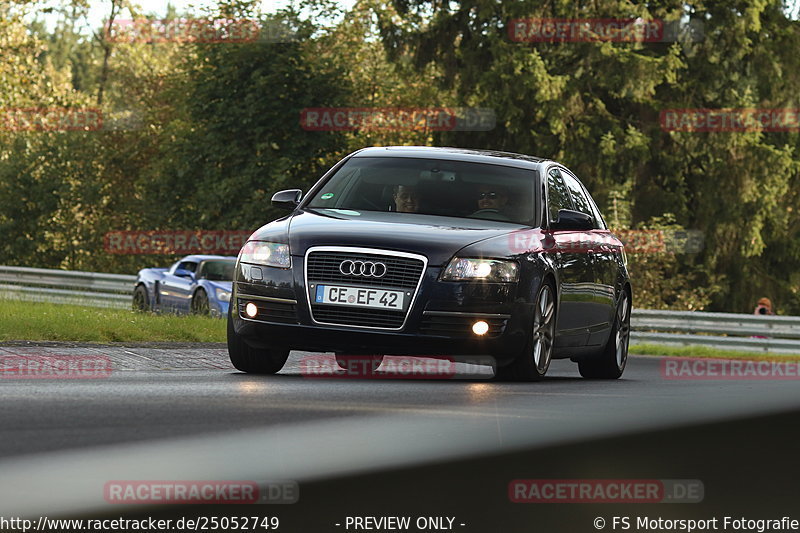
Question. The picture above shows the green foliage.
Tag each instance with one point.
(596, 105)
(214, 128)
(214, 131)
(669, 280)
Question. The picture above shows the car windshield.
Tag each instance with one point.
(217, 270)
(431, 187)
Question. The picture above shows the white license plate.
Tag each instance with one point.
(380, 298)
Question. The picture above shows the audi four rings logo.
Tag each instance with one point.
(362, 268)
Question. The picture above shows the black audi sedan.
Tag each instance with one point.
(468, 254)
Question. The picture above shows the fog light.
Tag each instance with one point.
(251, 310)
(480, 327)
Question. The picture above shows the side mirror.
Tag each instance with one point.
(572, 220)
(181, 273)
(288, 199)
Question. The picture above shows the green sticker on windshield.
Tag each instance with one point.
(327, 196)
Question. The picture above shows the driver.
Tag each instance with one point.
(492, 201)
(406, 198)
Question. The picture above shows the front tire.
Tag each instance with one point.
(253, 360)
(533, 363)
(611, 362)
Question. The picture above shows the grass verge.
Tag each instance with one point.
(705, 352)
(36, 321)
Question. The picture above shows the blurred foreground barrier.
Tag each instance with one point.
(66, 287)
(725, 331)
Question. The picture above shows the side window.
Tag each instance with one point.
(581, 199)
(578, 196)
(558, 196)
(187, 265)
(599, 223)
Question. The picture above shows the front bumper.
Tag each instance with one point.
(439, 322)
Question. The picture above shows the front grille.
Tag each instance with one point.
(376, 318)
(322, 267)
(460, 326)
(270, 311)
(401, 272)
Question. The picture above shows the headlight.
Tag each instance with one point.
(266, 253)
(493, 270)
(223, 295)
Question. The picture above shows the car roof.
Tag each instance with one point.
(493, 157)
(199, 258)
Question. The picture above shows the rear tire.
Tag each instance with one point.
(610, 364)
(141, 302)
(359, 365)
(533, 363)
(253, 360)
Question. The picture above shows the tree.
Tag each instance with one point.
(596, 106)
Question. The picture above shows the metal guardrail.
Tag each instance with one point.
(66, 287)
(725, 331)
(731, 331)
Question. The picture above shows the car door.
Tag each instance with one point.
(576, 277)
(603, 259)
(175, 290)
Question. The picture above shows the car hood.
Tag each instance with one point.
(436, 237)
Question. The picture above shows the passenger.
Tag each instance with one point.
(406, 199)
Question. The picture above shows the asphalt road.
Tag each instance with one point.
(156, 393)
(184, 413)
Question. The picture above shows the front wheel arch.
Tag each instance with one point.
(527, 366)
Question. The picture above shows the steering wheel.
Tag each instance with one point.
(491, 214)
